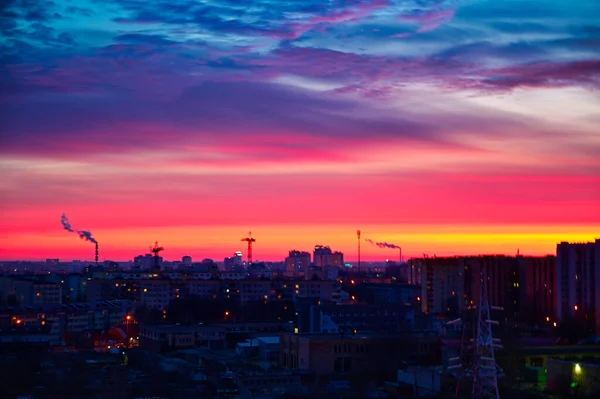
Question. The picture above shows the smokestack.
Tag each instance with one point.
(96, 252)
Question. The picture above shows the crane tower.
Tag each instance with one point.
(155, 251)
(249, 240)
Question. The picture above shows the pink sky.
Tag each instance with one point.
(443, 127)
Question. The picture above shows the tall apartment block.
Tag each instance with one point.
(522, 285)
(324, 256)
(297, 261)
(578, 280)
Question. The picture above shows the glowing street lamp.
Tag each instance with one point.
(127, 318)
(577, 369)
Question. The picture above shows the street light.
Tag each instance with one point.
(127, 318)
(577, 369)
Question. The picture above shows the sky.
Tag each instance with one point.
(445, 127)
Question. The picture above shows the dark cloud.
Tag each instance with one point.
(584, 73)
(219, 111)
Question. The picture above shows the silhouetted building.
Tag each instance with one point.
(521, 285)
(537, 279)
(233, 262)
(389, 294)
(30, 292)
(297, 261)
(577, 281)
(324, 256)
(360, 318)
(365, 356)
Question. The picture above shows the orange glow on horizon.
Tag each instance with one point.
(274, 242)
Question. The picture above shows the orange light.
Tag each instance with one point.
(554, 324)
(353, 297)
(18, 321)
(128, 317)
(576, 307)
(227, 313)
(351, 281)
(547, 318)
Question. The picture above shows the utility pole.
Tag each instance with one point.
(485, 369)
(358, 236)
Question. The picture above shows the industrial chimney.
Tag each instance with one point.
(96, 252)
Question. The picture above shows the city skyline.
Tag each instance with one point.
(446, 127)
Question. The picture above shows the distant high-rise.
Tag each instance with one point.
(523, 286)
(144, 262)
(186, 261)
(233, 262)
(297, 261)
(577, 281)
(324, 256)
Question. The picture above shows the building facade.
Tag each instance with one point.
(577, 281)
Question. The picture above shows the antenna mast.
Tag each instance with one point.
(358, 236)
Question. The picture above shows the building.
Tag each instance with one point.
(186, 261)
(537, 279)
(443, 284)
(360, 318)
(297, 261)
(74, 287)
(367, 356)
(324, 256)
(166, 337)
(30, 291)
(577, 281)
(156, 294)
(67, 322)
(144, 262)
(389, 294)
(101, 290)
(233, 262)
(414, 270)
(521, 285)
(203, 288)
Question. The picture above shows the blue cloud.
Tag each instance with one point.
(359, 46)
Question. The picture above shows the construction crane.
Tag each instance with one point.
(249, 240)
(156, 250)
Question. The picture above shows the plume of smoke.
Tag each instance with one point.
(84, 235)
(65, 222)
(387, 245)
(382, 244)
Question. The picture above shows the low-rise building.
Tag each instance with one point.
(364, 355)
(360, 318)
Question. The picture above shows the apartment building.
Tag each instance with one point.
(577, 281)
